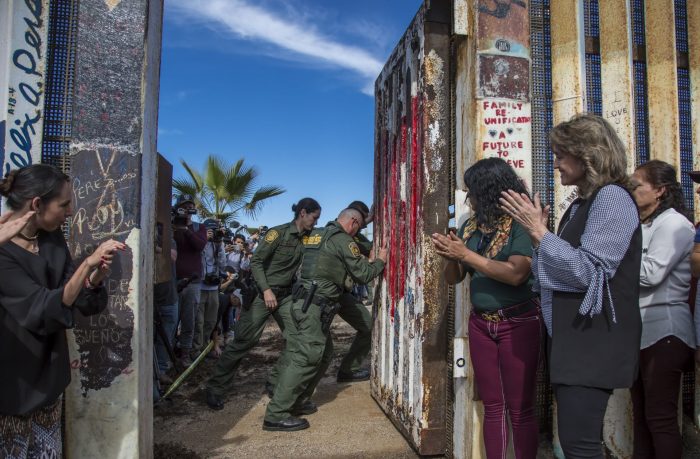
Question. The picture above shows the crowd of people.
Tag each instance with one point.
(605, 297)
(611, 287)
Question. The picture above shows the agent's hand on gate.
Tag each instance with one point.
(381, 254)
(270, 299)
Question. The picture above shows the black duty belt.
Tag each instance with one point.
(510, 311)
(320, 301)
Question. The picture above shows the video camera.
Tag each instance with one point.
(263, 230)
(179, 213)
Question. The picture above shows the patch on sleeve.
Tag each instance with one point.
(354, 249)
(271, 235)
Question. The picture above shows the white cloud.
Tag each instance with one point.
(253, 22)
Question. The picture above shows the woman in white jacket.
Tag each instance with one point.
(668, 337)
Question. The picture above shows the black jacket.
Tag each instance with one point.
(594, 351)
(33, 322)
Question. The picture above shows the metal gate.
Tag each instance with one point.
(412, 195)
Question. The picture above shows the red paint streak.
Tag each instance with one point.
(401, 283)
(415, 172)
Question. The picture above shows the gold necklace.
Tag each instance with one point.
(28, 238)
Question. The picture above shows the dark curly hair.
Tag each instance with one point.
(486, 179)
(662, 174)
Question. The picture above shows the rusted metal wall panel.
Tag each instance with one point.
(568, 81)
(662, 81)
(493, 119)
(412, 160)
(23, 36)
(616, 71)
(464, 433)
(694, 65)
(618, 109)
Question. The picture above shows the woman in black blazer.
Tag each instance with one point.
(40, 290)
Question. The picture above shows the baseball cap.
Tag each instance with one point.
(183, 198)
(361, 207)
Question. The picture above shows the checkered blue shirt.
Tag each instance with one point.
(559, 267)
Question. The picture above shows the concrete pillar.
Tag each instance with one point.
(113, 166)
(23, 31)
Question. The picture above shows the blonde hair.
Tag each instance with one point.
(593, 140)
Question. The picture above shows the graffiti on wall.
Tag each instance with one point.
(105, 190)
(506, 133)
(23, 88)
(503, 89)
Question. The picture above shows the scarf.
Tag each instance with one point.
(500, 234)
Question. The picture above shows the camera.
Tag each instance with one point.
(220, 233)
(262, 230)
(179, 215)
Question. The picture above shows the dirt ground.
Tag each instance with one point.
(349, 424)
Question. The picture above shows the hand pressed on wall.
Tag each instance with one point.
(450, 246)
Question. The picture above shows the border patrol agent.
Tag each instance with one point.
(330, 257)
(351, 311)
(273, 265)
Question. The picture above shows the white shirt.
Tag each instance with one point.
(664, 279)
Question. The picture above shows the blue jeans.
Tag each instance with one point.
(168, 317)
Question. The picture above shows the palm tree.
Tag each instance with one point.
(222, 190)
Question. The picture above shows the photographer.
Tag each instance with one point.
(214, 263)
(190, 239)
(237, 258)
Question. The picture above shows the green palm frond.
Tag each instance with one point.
(257, 202)
(223, 190)
(194, 175)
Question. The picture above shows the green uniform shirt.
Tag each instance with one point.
(338, 257)
(363, 243)
(277, 257)
(488, 294)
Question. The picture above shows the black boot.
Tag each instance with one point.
(355, 376)
(304, 408)
(286, 425)
(214, 402)
(269, 389)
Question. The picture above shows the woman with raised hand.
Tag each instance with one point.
(505, 324)
(668, 338)
(588, 278)
(40, 294)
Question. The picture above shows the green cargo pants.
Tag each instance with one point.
(247, 332)
(358, 317)
(307, 345)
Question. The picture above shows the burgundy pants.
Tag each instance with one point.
(505, 356)
(655, 399)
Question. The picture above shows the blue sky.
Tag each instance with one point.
(285, 84)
